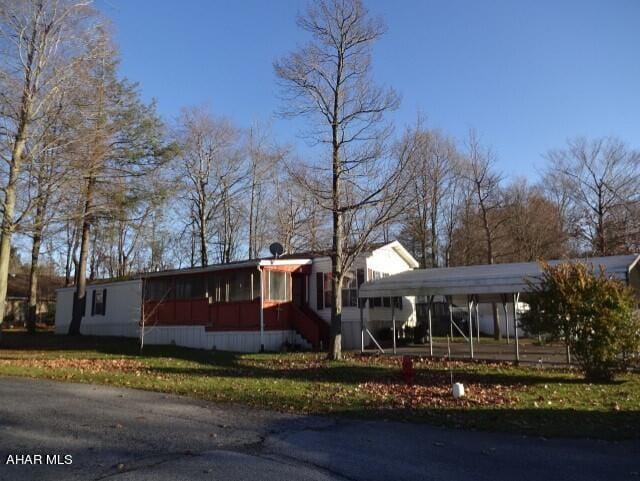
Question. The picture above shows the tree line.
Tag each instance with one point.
(96, 184)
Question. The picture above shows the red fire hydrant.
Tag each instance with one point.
(407, 369)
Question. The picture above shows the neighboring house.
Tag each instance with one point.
(17, 304)
(243, 306)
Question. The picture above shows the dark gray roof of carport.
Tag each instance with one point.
(483, 279)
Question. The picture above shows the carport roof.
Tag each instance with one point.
(482, 279)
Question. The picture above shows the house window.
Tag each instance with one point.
(216, 290)
(381, 301)
(99, 302)
(349, 290)
(397, 302)
(255, 279)
(190, 288)
(240, 286)
(158, 289)
(278, 286)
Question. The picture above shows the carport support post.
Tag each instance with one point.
(362, 303)
(450, 317)
(261, 272)
(516, 296)
(477, 320)
(503, 298)
(430, 332)
(470, 310)
(393, 321)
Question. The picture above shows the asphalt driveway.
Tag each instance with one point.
(123, 434)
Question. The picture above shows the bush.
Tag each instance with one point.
(592, 313)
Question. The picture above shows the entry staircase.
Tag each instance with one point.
(311, 327)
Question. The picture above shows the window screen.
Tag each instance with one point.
(278, 286)
(349, 290)
(99, 302)
(215, 288)
(158, 289)
(240, 286)
(397, 302)
(190, 288)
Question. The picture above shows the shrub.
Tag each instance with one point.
(592, 313)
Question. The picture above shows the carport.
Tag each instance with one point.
(500, 283)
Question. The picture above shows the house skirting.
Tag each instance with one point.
(91, 327)
(238, 341)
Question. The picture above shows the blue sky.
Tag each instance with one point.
(526, 74)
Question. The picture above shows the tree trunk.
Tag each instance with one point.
(204, 259)
(32, 309)
(252, 234)
(601, 242)
(434, 230)
(335, 352)
(489, 238)
(79, 298)
(497, 332)
(20, 141)
(7, 217)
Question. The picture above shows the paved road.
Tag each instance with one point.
(124, 434)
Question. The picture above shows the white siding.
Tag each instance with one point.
(387, 260)
(122, 313)
(239, 341)
(485, 312)
(384, 259)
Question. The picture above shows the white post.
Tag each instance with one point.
(470, 310)
(361, 302)
(516, 296)
(261, 271)
(503, 298)
(142, 315)
(477, 320)
(450, 317)
(430, 331)
(393, 320)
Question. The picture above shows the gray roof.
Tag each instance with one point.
(483, 279)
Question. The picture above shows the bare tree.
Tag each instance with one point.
(329, 82)
(265, 161)
(435, 171)
(40, 41)
(484, 183)
(602, 182)
(211, 171)
(48, 182)
(299, 222)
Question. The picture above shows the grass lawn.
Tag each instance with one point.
(501, 397)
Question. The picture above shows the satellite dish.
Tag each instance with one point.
(276, 249)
